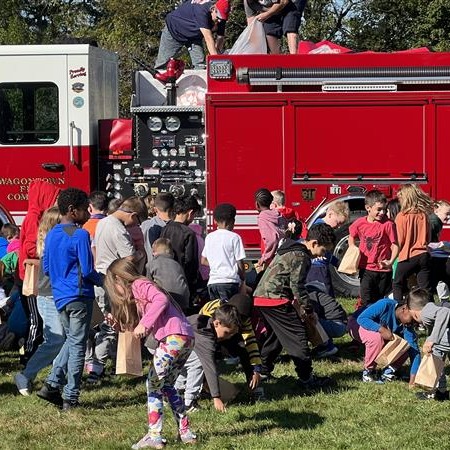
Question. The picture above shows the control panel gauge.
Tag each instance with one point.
(172, 123)
(155, 164)
(155, 152)
(164, 152)
(198, 173)
(154, 123)
(164, 164)
(127, 171)
(173, 152)
(117, 177)
(173, 164)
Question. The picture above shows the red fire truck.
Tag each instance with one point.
(321, 127)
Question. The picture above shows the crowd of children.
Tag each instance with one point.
(146, 264)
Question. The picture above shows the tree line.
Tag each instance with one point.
(132, 27)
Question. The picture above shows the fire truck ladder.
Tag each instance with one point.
(340, 75)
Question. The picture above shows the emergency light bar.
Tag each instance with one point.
(340, 75)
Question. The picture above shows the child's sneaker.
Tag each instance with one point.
(438, 396)
(327, 350)
(188, 437)
(315, 382)
(149, 442)
(369, 376)
(192, 407)
(232, 361)
(50, 394)
(23, 384)
(94, 378)
(258, 394)
(388, 375)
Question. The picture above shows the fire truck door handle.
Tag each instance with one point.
(71, 154)
(53, 167)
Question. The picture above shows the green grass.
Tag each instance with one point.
(352, 415)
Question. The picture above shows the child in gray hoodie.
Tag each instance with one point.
(436, 319)
(168, 273)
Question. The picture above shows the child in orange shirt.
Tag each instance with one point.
(413, 230)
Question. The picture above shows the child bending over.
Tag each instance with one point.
(374, 327)
(436, 319)
(202, 359)
(137, 304)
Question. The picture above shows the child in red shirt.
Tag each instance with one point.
(378, 248)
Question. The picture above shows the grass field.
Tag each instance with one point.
(352, 415)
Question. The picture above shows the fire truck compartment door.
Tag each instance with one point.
(248, 154)
(382, 142)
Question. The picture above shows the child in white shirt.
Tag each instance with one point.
(225, 254)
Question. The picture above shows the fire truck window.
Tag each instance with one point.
(29, 113)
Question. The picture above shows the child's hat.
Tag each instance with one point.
(223, 9)
(243, 303)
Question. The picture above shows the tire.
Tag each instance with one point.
(344, 285)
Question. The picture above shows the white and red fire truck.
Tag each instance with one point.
(321, 127)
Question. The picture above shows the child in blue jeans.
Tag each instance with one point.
(137, 304)
(54, 335)
(68, 262)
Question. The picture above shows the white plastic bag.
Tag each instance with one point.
(251, 41)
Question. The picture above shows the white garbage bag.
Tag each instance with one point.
(251, 41)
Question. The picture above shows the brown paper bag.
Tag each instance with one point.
(315, 332)
(392, 351)
(350, 261)
(129, 358)
(430, 370)
(30, 281)
(97, 315)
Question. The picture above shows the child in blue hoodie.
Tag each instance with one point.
(375, 326)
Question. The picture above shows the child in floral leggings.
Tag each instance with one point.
(137, 302)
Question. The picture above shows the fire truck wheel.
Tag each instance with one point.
(344, 285)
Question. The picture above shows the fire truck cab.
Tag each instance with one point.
(51, 98)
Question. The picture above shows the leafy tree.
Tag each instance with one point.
(384, 25)
(13, 26)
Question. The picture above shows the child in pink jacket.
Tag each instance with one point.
(272, 226)
(138, 304)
